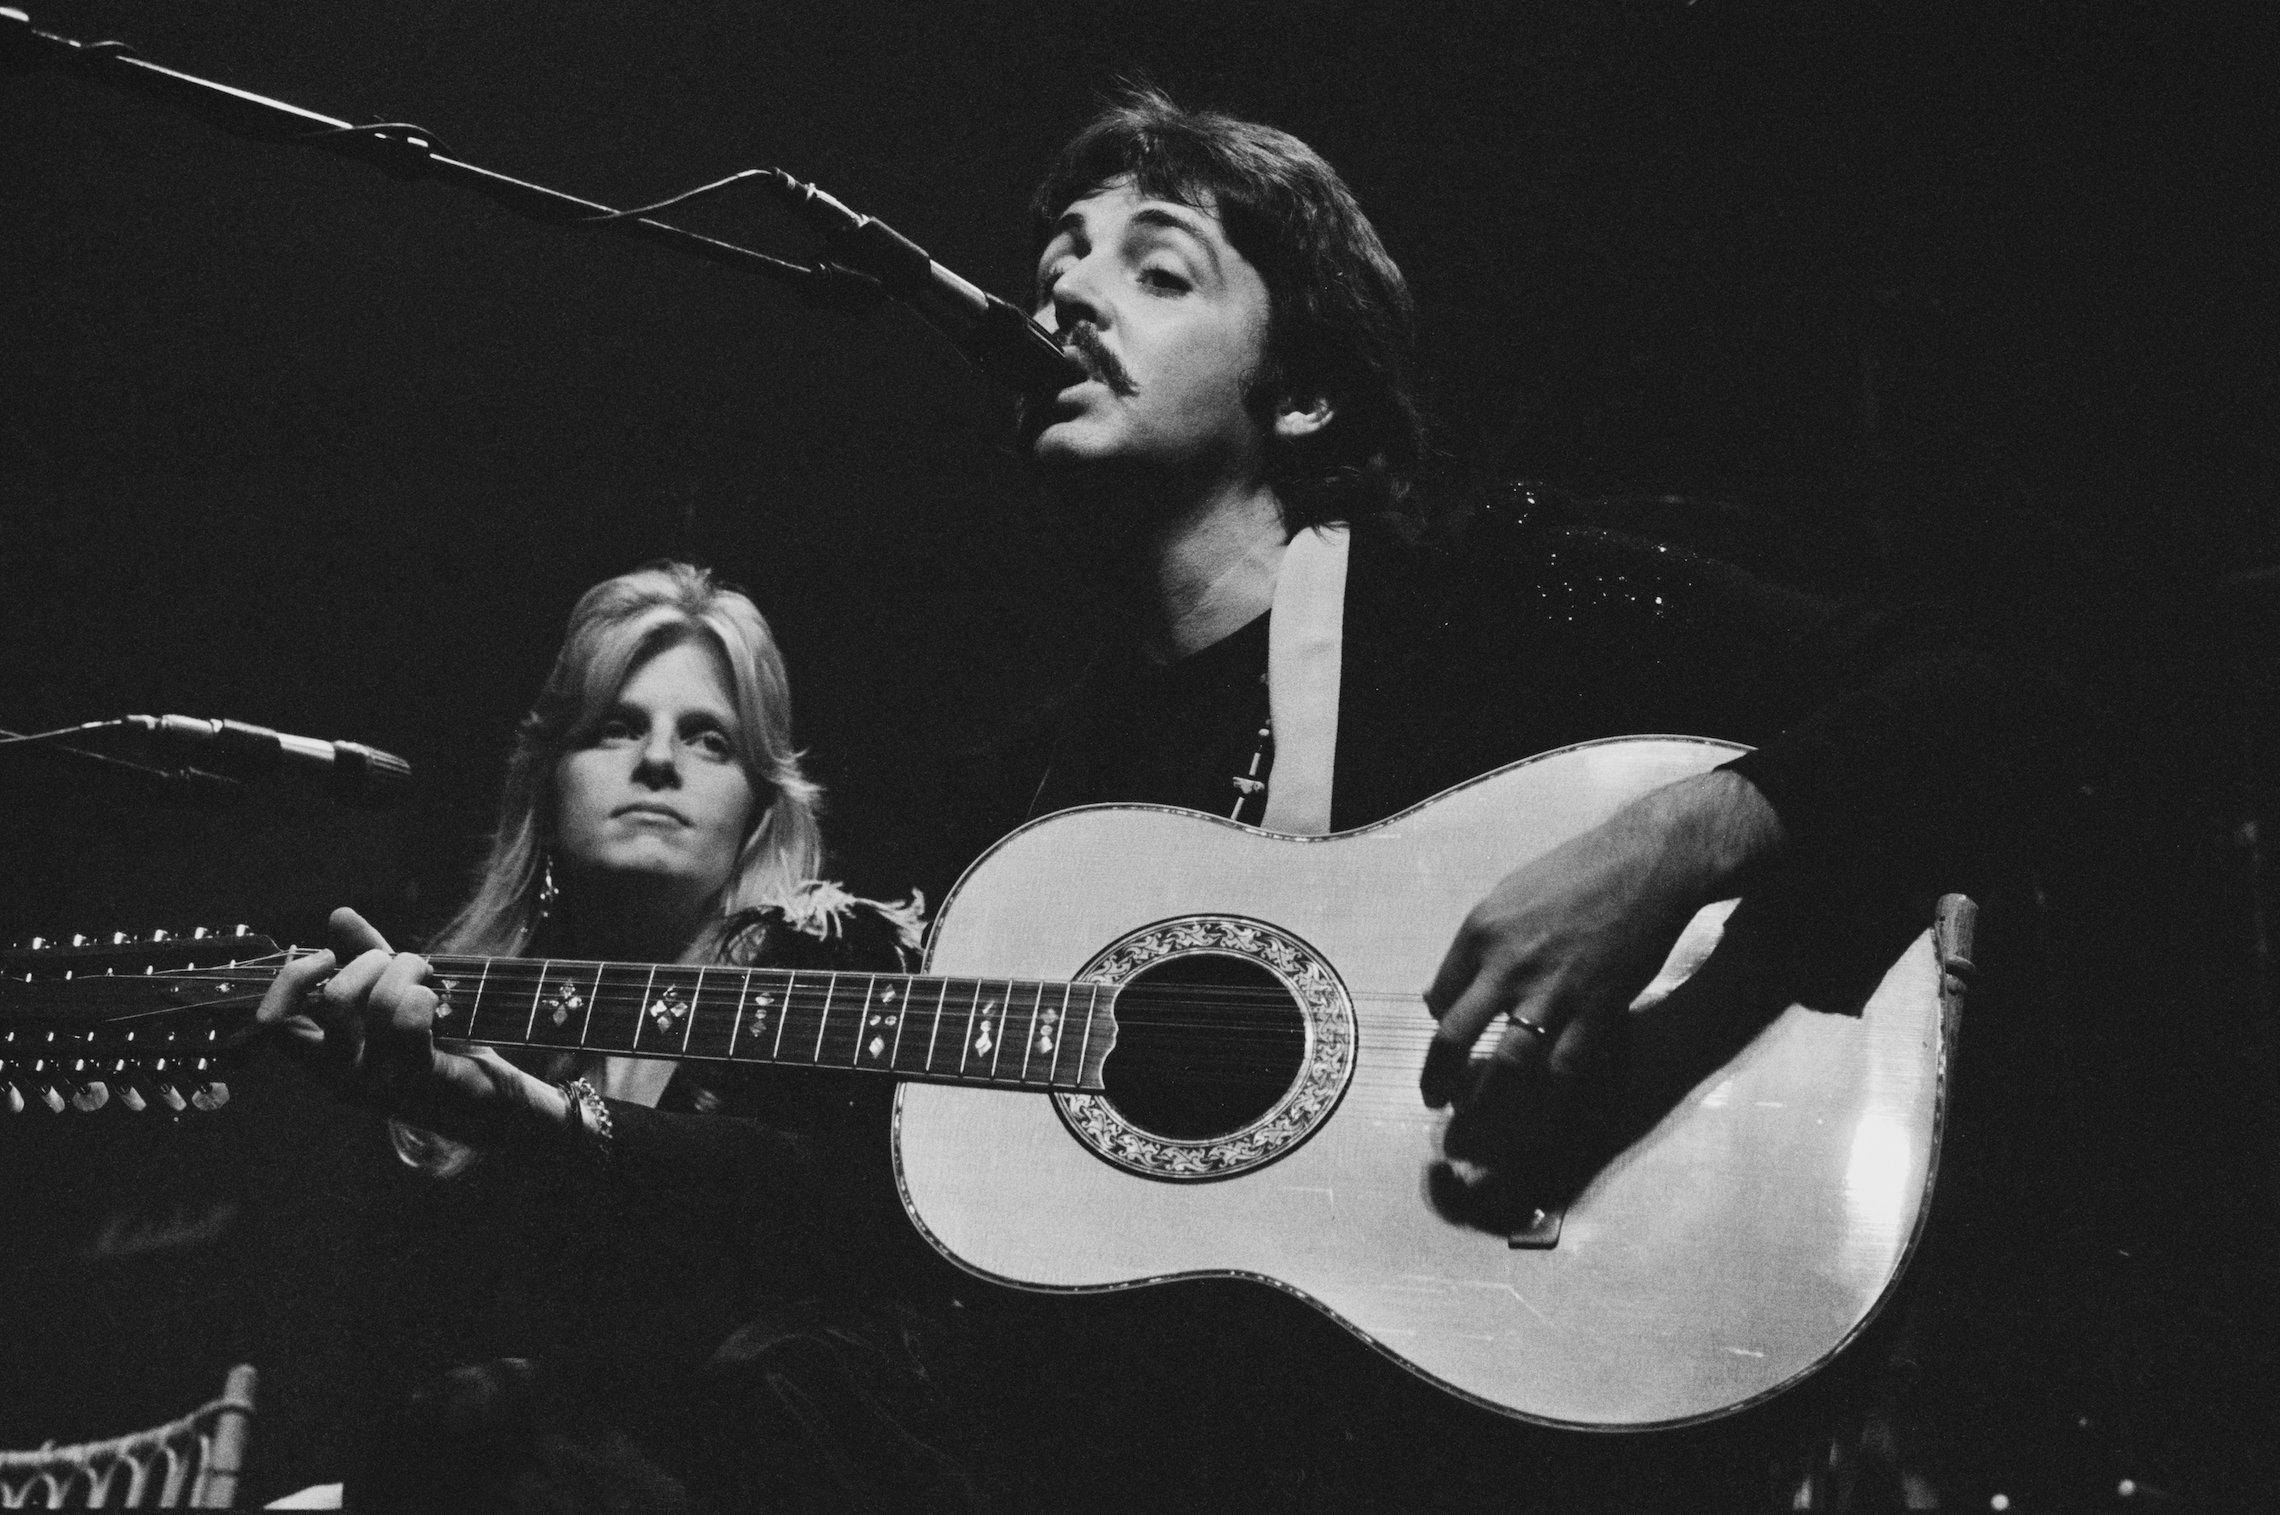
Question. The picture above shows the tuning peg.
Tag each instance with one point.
(210, 1096)
(91, 1097)
(51, 1097)
(15, 1100)
(37, 944)
(81, 939)
(159, 936)
(171, 1097)
(199, 933)
(131, 1098)
(120, 938)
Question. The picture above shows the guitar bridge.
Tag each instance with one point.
(1539, 1233)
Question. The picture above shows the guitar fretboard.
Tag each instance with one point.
(1014, 1033)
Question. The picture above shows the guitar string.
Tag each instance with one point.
(1230, 1044)
(1221, 1013)
(1220, 1058)
(526, 974)
(513, 978)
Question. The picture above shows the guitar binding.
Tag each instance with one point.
(1324, 1014)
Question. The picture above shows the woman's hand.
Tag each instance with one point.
(362, 1018)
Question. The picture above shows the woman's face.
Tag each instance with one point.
(656, 794)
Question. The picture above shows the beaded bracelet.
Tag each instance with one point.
(588, 1118)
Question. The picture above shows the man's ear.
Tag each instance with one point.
(1303, 416)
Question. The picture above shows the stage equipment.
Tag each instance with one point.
(870, 260)
(232, 751)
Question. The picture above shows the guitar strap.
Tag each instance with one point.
(1304, 659)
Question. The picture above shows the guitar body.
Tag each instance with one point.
(1737, 1245)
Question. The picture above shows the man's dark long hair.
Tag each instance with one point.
(1341, 323)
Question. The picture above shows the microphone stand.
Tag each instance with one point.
(405, 151)
(182, 784)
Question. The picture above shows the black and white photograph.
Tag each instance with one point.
(1183, 758)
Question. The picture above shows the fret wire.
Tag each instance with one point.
(975, 985)
(728, 995)
(1084, 1049)
(966, 1041)
(902, 1021)
(641, 1007)
(1004, 1014)
(736, 1016)
(1044, 1035)
(784, 1015)
(779, 997)
(864, 1014)
(1005, 1027)
(1029, 1035)
(1060, 1036)
(593, 995)
(537, 990)
(696, 998)
(473, 1027)
(863, 1018)
(933, 1026)
(823, 1017)
(696, 1009)
(475, 1004)
(891, 993)
(599, 1008)
(983, 1013)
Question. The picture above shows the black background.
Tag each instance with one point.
(1893, 296)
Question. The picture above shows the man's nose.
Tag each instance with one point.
(1075, 297)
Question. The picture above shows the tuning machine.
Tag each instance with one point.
(39, 1093)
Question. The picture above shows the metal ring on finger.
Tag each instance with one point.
(1525, 1024)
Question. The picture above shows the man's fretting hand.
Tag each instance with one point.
(368, 1033)
(1554, 955)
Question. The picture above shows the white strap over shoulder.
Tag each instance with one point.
(1304, 661)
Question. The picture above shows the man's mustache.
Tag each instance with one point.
(1098, 361)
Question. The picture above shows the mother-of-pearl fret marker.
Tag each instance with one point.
(1046, 1021)
(982, 1042)
(879, 1025)
(761, 1004)
(565, 1002)
(668, 1008)
(445, 988)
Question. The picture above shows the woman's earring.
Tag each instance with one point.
(547, 892)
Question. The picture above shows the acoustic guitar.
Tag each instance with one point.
(1150, 1045)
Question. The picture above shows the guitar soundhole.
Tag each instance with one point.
(1206, 1044)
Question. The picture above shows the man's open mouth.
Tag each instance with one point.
(1083, 344)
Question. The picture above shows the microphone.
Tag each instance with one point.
(352, 772)
(997, 338)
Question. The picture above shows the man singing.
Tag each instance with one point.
(1300, 645)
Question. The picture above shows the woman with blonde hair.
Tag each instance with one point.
(726, 1240)
(654, 810)
(618, 626)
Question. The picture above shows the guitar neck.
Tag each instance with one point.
(1006, 1033)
